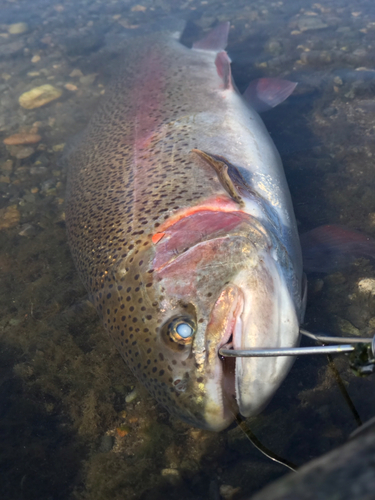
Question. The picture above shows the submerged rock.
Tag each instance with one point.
(346, 473)
(17, 139)
(27, 230)
(308, 23)
(17, 28)
(11, 49)
(21, 152)
(7, 166)
(367, 286)
(39, 96)
(9, 217)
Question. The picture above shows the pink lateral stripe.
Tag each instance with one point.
(149, 99)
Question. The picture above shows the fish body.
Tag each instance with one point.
(181, 226)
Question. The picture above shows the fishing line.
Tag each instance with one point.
(242, 424)
(334, 370)
(340, 347)
(343, 390)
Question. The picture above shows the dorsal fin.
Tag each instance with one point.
(222, 63)
(216, 39)
(266, 93)
(229, 176)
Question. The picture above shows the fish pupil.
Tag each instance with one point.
(184, 330)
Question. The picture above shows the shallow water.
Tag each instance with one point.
(69, 425)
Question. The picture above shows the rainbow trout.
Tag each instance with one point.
(182, 228)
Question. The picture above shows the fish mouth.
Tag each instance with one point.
(228, 364)
(225, 324)
(262, 314)
(228, 384)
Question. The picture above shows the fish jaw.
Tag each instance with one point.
(269, 319)
(254, 311)
(221, 406)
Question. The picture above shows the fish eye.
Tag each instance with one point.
(182, 330)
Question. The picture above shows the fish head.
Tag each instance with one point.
(197, 291)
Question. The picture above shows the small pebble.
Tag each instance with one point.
(38, 170)
(9, 217)
(27, 230)
(338, 81)
(21, 152)
(76, 72)
(7, 166)
(14, 322)
(48, 184)
(88, 79)
(12, 48)
(172, 475)
(17, 139)
(29, 198)
(346, 327)
(58, 147)
(17, 28)
(308, 23)
(123, 430)
(35, 58)
(39, 96)
(131, 396)
(106, 444)
(228, 492)
(316, 57)
(138, 8)
(367, 285)
(71, 87)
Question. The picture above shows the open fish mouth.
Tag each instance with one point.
(229, 365)
(225, 325)
(228, 377)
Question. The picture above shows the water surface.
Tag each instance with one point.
(69, 428)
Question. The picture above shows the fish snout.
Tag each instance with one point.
(269, 320)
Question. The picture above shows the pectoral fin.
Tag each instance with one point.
(229, 176)
(266, 93)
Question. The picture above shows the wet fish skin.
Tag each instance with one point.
(132, 178)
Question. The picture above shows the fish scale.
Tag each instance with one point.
(134, 172)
